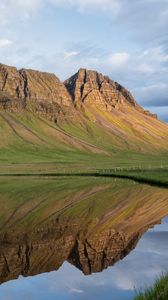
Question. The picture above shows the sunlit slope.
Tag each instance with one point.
(97, 132)
(29, 134)
(88, 121)
(122, 130)
(29, 139)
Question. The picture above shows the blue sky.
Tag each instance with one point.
(124, 39)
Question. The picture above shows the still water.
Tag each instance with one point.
(88, 239)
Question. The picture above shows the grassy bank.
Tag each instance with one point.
(158, 292)
(156, 176)
(153, 176)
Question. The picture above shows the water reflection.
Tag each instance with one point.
(90, 225)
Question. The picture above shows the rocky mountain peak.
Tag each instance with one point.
(43, 93)
(91, 87)
(31, 84)
(40, 92)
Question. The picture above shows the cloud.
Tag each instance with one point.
(5, 42)
(84, 5)
(155, 95)
(26, 4)
(75, 291)
(143, 72)
(144, 20)
(118, 60)
(13, 9)
(68, 54)
(137, 64)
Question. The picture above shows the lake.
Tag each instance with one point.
(80, 238)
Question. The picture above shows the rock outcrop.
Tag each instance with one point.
(38, 92)
(90, 87)
(94, 89)
(44, 94)
(89, 106)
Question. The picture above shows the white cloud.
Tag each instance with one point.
(84, 5)
(145, 68)
(146, 63)
(154, 95)
(68, 54)
(75, 291)
(5, 42)
(155, 54)
(124, 282)
(26, 4)
(12, 9)
(118, 60)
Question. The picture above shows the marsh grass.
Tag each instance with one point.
(158, 292)
(156, 176)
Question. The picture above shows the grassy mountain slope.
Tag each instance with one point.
(88, 122)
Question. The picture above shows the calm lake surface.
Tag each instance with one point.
(80, 238)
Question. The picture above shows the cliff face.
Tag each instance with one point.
(39, 92)
(94, 89)
(43, 93)
(90, 87)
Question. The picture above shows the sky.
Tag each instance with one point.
(126, 40)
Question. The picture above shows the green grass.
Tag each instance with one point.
(153, 176)
(33, 145)
(158, 292)
(157, 177)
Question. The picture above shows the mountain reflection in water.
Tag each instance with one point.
(89, 222)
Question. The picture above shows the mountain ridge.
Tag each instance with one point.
(88, 112)
(20, 84)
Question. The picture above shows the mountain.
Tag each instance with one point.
(114, 110)
(87, 114)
